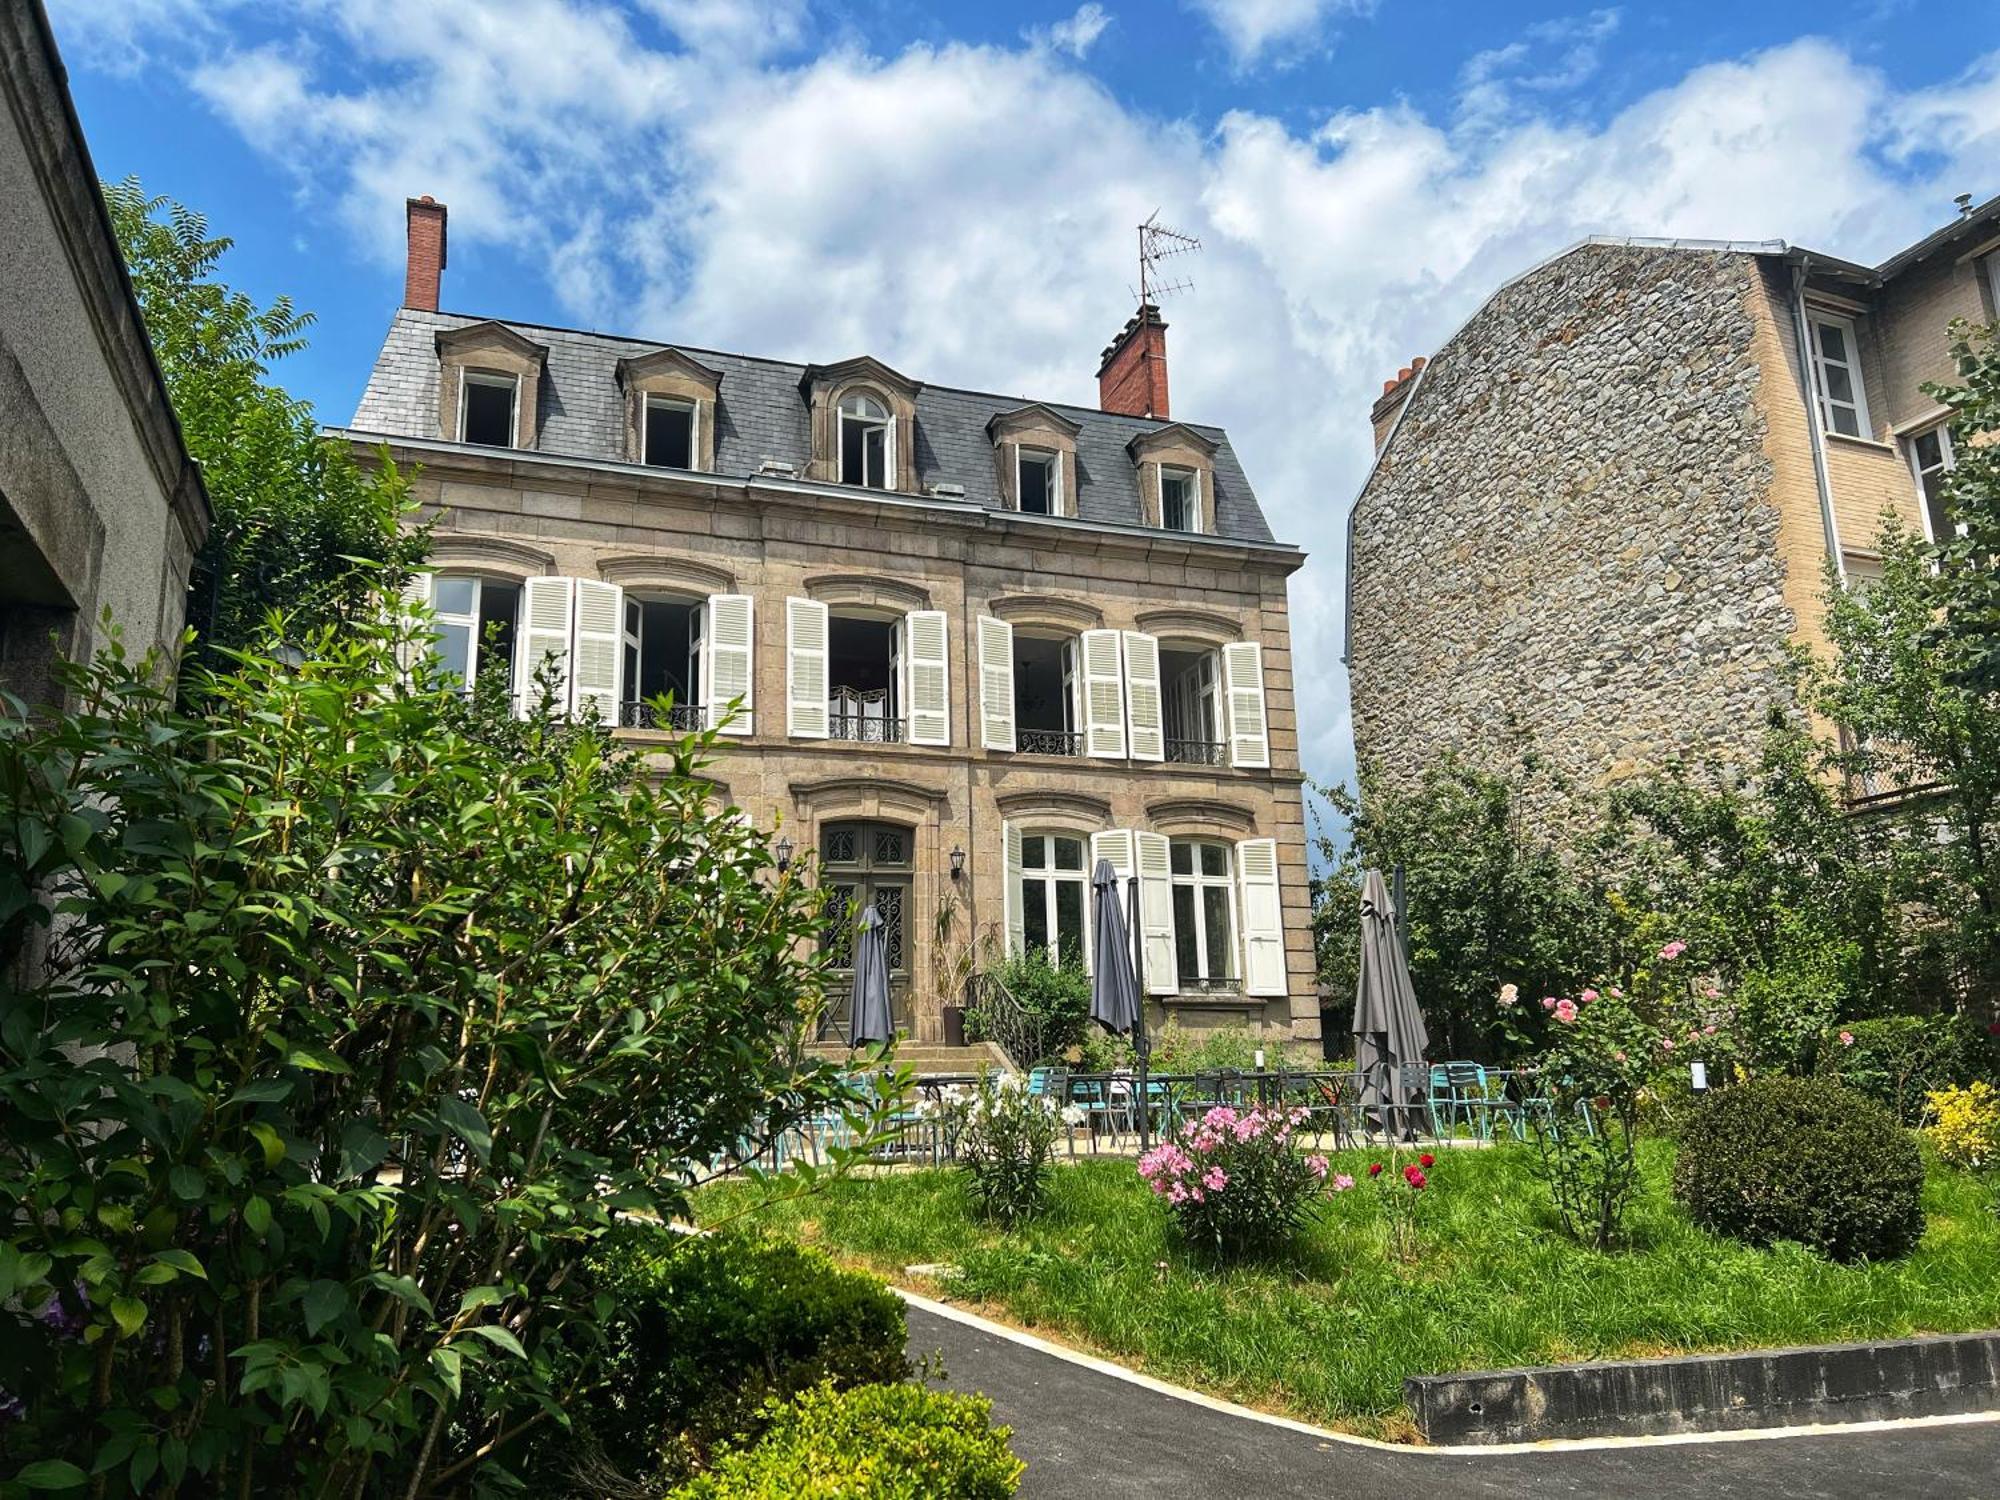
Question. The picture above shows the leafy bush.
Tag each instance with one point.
(1054, 1000)
(876, 1442)
(1180, 1050)
(1900, 1060)
(1236, 1181)
(705, 1331)
(338, 1022)
(1803, 1159)
(1006, 1146)
(1965, 1125)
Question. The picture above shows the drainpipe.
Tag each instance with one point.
(1803, 333)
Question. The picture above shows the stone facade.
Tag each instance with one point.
(1600, 516)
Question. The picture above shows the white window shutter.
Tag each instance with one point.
(1144, 716)
(597, 656)
(1013, 910)
(419, 595)
(926, 677)
(1243, 698)
(1103, 695)
(1156, 914)
(728, 663)
(1114, 846)
(548, 606)
(996, 683)
(1263, 917)
(806, 711)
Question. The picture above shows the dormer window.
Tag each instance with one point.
(1038, 481)
(1180, 499)
(866, 451)
(486, 408)
(670, 433)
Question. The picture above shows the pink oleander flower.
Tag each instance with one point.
(1847, 1039)
(1215, 1179)
(1316, 1165)
(1673, 950)
(1566, 1011)
(1548, 1002)
(1342, 1182)
(1510, 994)
(1587, 996)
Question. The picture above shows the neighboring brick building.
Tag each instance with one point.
(976, 641)
(1599, 516)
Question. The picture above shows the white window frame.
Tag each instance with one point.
(1199, 882)
(1815, 319)
(672, 403)
(1948, 457)
(1993, 280)
(1046, 458)
(443, 617)
(1049, 875)
(1194, 516)
(493, 379)
(1197, 691)
(887, 422)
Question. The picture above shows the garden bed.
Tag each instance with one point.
(1329, 1333)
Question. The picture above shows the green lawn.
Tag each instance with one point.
(1329, 1335)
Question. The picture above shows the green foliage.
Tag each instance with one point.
(341, 1019)
(293, 511)
(1805, 1160)
(1971, 584)
(704, 1331)
(1054, 999)
(882, 1442)
(1488, 903)
(1005, 1143)
(1897, 1060)
(1237, 1182)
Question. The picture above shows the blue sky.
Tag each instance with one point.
(952, 188)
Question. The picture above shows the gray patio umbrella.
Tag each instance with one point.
(1389, 1030)
(1114, 990)
(868, 1018)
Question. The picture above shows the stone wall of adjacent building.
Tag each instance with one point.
(1570, 548)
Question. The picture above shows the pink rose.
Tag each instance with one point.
(1618, 1057)
(1566, 1011)
(1548, 1002)
(1847, 1039)
(1708, 1030)
(1587, 996)
(1509, 993)
(1666, 1044)
(1673, 950)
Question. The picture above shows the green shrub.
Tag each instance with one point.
(1005, 1140)
(706, 1331)
(1802, 1159)
(1900, 1059)
(878, 1442)
(1054, 999)
(1179, 1050)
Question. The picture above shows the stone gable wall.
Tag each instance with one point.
(1570, 549)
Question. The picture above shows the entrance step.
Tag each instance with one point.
(932, 1058)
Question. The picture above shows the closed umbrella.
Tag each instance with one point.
(868, 1018)
(1114, 990)
(1389, 1033)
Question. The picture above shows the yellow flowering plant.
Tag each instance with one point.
(1965, 1125)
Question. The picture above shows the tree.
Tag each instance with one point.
(293, 510)
(1971, 494)
(361, 1014)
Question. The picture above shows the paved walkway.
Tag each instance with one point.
(1087, 1435)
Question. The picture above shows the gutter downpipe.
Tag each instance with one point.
(1808, 389)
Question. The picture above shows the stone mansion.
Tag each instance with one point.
(1600, 516)
(956, 646)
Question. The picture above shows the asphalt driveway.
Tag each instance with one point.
(1087, 1435)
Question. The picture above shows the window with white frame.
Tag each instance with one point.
(1180, 499)
(1054, 888)
(1204, 913)
(486, 401)
(1930, 460)
(1192, 692)
(1837, 373)
(476, 620)
(1038, 481)
(663, 651)
(670, 433)
(866, 441)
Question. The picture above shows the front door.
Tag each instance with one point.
(862, 863)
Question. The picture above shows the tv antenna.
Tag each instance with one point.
(1157, 243)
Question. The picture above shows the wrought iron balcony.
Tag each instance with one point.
(680, 718)
(1215, 984)
(1195, 752)
(1048, 741)
(870, 731)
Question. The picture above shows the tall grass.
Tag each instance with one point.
(1329, 1332)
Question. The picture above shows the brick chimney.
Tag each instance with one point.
(1132, 378)
(425, 268)
(1394, 394)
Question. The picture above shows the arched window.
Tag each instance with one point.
(866, 447)
(1055, 909)
(476, 622)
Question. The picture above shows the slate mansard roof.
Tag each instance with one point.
(762, 415)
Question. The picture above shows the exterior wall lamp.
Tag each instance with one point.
(957, 862)
(783, 850)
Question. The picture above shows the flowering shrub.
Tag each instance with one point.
(1400, 1194)
(1965, 1125)
(1236, 1180)
(1006, 1143)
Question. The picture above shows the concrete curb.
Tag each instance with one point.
(1828, 1384)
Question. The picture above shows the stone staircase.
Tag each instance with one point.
(931, 1058)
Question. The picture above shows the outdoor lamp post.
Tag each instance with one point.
(783, 850)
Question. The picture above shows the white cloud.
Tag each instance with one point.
(1552, 57)
(733, 28)
(966, 212)
(1076, 35)
(1252, 28)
